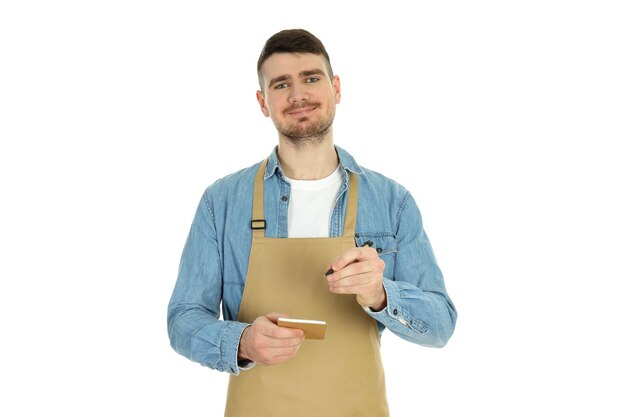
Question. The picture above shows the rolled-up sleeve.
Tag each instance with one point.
(193, 323)
(418, 307)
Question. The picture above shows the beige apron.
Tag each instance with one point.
(341, 375)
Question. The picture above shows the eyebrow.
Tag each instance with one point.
(305, 73)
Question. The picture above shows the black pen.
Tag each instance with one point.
(369, 243)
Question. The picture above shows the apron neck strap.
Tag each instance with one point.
(258, 223)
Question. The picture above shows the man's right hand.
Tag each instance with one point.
(266, 343)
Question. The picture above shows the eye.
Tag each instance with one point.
(280, 86)
(311, 80)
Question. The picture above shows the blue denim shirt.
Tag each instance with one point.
(214, 262)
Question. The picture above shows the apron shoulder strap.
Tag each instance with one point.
(349, 225)
(258, 216)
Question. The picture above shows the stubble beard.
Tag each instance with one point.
(312, 134)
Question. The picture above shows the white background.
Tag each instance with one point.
(503, 119)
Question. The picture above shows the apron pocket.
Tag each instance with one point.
(385, 244)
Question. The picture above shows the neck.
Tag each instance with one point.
(309, 160)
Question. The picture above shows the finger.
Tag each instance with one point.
(276, 332)
(352, 255)
(283, 343)
(355, 268)
(353, 280)
(286, 352)
(352, 289)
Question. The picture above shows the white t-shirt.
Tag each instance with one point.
(311, 205)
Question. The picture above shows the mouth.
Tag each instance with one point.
(302, 112)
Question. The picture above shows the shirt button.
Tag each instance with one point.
(395, 311)
(284, 198)
(379, 250)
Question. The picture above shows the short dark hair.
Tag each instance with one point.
(292, 41)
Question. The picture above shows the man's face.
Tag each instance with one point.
(298, 95)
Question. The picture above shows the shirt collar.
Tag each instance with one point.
(346, 161)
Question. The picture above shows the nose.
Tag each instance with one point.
(298, 93)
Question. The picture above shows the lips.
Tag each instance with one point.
(301, 111)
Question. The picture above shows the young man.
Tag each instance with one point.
(308, 234)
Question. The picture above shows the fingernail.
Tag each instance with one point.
(330, 271)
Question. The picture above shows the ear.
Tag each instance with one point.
(337, 89)
(261, 100)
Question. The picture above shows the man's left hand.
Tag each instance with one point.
(359, 271)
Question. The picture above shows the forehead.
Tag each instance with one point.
(279, 64)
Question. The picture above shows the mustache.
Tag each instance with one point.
(296, 107)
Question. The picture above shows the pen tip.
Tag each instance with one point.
(330, 271)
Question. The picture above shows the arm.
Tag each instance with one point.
(194, 328)
(414, 304)
(418, 307)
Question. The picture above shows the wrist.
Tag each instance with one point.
(241, 350)
(381, 302)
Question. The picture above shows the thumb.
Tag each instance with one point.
(273, 317)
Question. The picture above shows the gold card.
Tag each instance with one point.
(313, 329)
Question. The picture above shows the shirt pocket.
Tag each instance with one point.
(386, 246)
